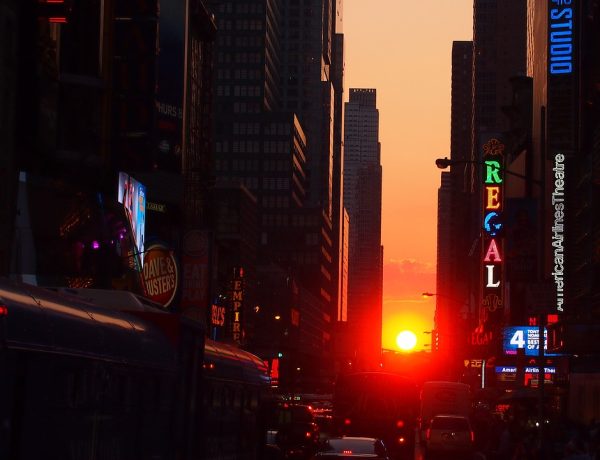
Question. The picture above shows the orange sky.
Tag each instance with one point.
(403, 49)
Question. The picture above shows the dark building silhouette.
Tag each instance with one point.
(471, 302)
(455, 206)
(362, 199)
(94, 101)
(274, 133)
(566, 127)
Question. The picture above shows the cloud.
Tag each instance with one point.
(404, 307)
(406, 279)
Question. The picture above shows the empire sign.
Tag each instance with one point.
(237, 296)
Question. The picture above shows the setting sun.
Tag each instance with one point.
(406, 340)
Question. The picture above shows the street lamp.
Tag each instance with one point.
(443, 163)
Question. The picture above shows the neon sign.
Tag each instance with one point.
(237, 295)
(493, 203)
(560, 37)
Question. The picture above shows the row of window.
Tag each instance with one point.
(280, 202)
(239, 58)
(231, 396)
(246, 164)
(239, 74)
(237, 165)
(245, 24)
(276, 183)
(275, 220)
(246, 107)
(277, 128)
(252, 147)
(243, 8)
(239, 91)
(283, 220)
(246, 128)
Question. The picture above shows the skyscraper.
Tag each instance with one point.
(455, 232)
(362, 199)
(274, 133)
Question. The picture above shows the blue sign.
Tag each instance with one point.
(132, 195)
(527, 370)
(525, 337)
(560, 39)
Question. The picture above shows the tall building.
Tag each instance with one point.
(446, 313)
(274, 129)
(564, 50)
(312, 87)
(499, 54)
(455, 232)
(105, 116)
(362, 200)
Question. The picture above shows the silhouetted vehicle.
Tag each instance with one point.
(443, 397)
(353, 448)
(449, 434)
(294, 429)
(379, 405)
(80, 380)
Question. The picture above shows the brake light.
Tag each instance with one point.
(428, 434)
(400, 424)
(308, 434)
(347, 422)
(347, 452)
(3, 310)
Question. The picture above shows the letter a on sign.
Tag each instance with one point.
(492, 254)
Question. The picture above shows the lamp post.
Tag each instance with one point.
(443, 163)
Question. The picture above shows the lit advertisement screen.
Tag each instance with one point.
(132, 195)
(525, 337)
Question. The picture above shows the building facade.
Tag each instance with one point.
(362, 200)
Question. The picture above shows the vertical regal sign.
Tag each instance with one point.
(492, 304)
(237, 303)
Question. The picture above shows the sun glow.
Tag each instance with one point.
(406, 340)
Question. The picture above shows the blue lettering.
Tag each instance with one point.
(561, 41)
(566, 13)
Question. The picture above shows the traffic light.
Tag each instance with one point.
(54, 11)
(435, 340)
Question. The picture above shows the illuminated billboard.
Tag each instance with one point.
(526, 338)
(132, 195)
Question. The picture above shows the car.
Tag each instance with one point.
(352, 447)
(296, 430)
(449, 434)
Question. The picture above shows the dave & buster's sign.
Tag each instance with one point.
(160, 274)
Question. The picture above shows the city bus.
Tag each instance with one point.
(377, 404)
